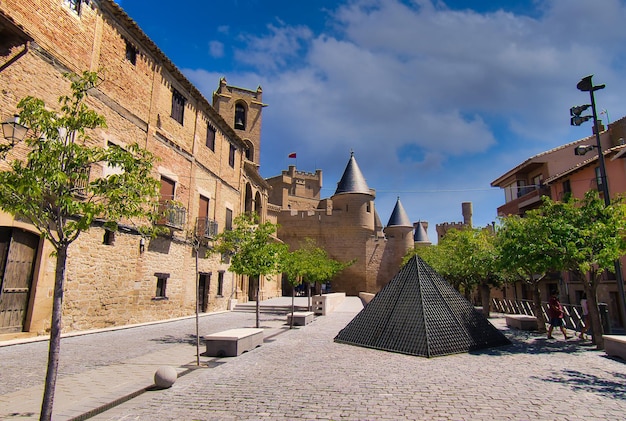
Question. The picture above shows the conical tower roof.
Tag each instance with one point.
(420, 235)
(352, 180)
(419, 313)
(378, 225)
(398, 217)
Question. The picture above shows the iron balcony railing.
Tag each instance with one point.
(81, 181)
(173, 215)
(206, 228)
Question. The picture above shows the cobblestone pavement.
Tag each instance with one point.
(97, 369)
(301, 374)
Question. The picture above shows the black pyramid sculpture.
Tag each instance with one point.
(420, 313)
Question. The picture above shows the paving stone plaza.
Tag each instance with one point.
(302, 374)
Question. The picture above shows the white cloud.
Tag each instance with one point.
(413, 87)
(216, 49)
(274, 51)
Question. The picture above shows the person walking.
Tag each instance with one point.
(585, 327)
(555, 312)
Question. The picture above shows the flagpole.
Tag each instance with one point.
(293, 155)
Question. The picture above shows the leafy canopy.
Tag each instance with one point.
(310, 263)
(52, 188)
(465, 257)
(252, 247)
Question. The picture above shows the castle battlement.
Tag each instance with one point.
(306, 174)
(450, 225)
(293, 172)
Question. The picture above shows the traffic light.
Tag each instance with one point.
(578, 119)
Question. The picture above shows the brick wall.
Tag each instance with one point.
(109, 285)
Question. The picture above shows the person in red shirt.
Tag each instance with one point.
(555, 312)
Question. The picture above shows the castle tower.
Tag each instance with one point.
(399, 236)
(351, 229)
(295, 190)
(354, 198)
(242, 109)
(420, 236)
(466, 208)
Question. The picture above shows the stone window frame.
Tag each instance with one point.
(108, 239)
(220, 283)
(240, 116)
(73, 5)
(178, 106)
(231, 155)
(131, 53)
(161, 286)
(228, 223)
(211, 133)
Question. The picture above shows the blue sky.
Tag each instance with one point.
(436, 98)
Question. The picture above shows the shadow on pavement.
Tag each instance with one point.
(169, 339)
(529, 342)
(614, 388)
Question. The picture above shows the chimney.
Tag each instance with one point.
(467, 213)
(600, 127)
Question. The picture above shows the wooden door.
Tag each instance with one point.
(18, 253)
(204, 286)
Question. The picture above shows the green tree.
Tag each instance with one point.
(475, 260)
(529, 246)
(53, 190)
(253, 249)
(440, 257)
(311, 264)
(467, 259)
(591, 238)
(293, 266)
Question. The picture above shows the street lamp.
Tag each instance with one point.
(586, 85)
(13, 131)
(583, 149)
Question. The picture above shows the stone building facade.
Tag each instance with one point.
(208, 166)
(346, 225)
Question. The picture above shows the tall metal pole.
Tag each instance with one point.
(605, 188)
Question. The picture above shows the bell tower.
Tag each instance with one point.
(242, 109)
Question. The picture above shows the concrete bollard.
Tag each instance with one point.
(165, 376)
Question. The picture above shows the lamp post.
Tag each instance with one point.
(13, 131)
(586, 85)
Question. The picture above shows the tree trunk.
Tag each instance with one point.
(308, 294)
(541, 321)
(594, 316)
(258, 305)
(485, 295)
(293, 305)
(55, 335)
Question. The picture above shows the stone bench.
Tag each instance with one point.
(615, 346)
(233, 342)
(301, 318)
(521, 321)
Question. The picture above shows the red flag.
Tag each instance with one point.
(292, 155)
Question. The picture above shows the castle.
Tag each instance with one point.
(209, 155)
(346, 225)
